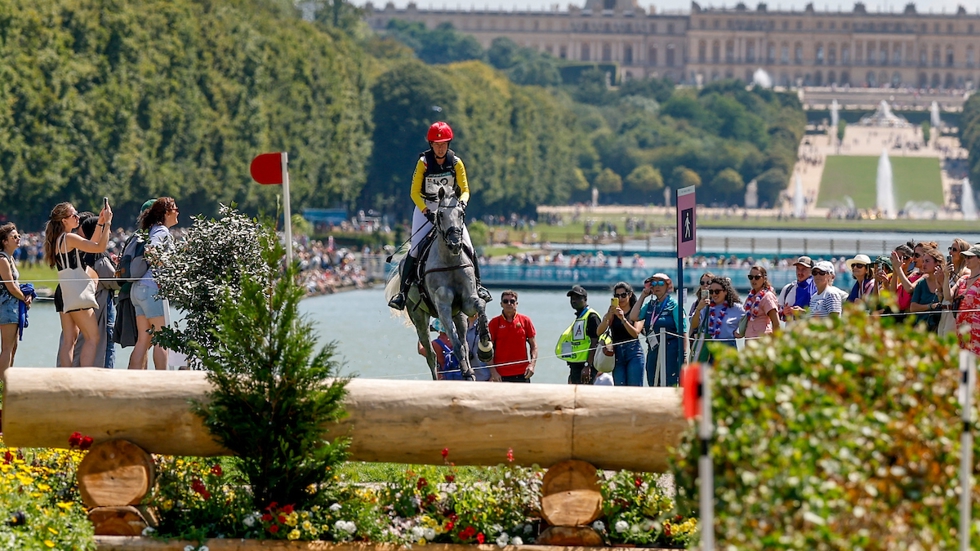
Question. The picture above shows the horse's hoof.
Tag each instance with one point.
(485, 356)
(469, 377)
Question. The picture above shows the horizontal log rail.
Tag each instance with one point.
(389, 421)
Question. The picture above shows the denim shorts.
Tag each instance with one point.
(9, 309)
(147, 301)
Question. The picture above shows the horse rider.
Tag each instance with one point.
(437, 168)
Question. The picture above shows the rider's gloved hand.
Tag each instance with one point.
(429, 215)
(462, 205)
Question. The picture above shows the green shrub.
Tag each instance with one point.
(834, 434)
(273, 393)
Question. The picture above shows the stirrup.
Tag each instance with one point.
(397, 302)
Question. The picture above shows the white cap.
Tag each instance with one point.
(824, 266)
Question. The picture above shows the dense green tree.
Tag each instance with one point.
(770, 183)
(608, 182)
(970, 135)
(728, 182)
(503, 53)
(593, 88)
(537, 71)
(926, 131)
(683, 177)
(659, 89)
(645, 180)
(174, 97)
(441, 45)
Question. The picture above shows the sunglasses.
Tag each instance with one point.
(917, 255)
(819, 272)
(508, 301)
(855, 266)
(621, 295)
(955, 250)
(716, 291)
(703, 283)
(657, 283)
(754, 277)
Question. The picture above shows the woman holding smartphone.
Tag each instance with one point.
(660, 312)
(625, 333)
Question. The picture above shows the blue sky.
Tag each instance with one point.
(923, 6)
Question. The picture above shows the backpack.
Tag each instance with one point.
(132, 266)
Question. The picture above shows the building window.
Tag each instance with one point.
(799, 25)
(969, 28)
(730, 51)
(785, 25)
(949, 56)
(833, 25)
(716, 23)
(897, 55)
(820, 54)
(563, 52)
(935, 28)
(845, 25)
(871, 53)
(845, 57)
(883, 54)
(750, 51)
(819, 24)
(923, 56)
(670, 55)
(606, 52)
(771, 53)
(716, 51)
(798, 53)
(969, 57)
(949, 28)
(628, 55)
(935, 56)
(653, 54)
(653, 28)
(784, 54)
(831, 55)
(702, 51)
(670, 28)
(703, 24)
(585, 52)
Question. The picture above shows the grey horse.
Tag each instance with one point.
(451, 283)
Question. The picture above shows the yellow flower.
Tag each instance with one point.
(49, 543)
(293, 535)
(52, 530)
(308, 526)
(66, 505)
(422, 541)
(291, 519)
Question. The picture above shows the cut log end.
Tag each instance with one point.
(570, 475)
(114, 473)
(571, 508)
(117, 521)
(579, 536)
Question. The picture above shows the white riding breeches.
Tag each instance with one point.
(421, 227)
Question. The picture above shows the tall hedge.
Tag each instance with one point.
(970, 136)
(174, 97)
(835, 434)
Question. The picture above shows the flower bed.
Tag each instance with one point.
(120, 543)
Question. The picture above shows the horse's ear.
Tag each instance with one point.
(442, 193)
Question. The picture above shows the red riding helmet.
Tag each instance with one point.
(439, 132)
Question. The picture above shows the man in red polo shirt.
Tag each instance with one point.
(512, 335)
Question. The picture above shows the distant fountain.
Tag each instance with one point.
(799, 202)
(884, 187)
(761, 78)
(883, 117)
(967, 203)
(934, 119)
(834, 117)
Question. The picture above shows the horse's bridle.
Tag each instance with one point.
(450, 232)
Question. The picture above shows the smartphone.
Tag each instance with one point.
(949, 259)
(105, 202)
(614, 301)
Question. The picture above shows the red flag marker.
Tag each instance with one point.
(267, 168)
(691, 383)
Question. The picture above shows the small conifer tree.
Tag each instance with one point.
(273, 393)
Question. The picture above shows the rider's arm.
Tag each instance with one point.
(462, 182)
(417, 185)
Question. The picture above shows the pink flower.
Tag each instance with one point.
(510, 455)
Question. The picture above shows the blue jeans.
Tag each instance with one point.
(110, 322)
(672, 362)
(629, 364)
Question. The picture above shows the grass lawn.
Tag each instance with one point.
(916, 179)
(39, 275)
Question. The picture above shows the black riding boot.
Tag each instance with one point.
(481, 291)
(408, 277)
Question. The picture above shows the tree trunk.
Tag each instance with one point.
(115, 472)
(389, 421)
(580, 536)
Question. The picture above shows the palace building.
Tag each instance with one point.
(796, 48)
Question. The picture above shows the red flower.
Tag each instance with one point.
(274, 528)
(206, 495)
(216, 470)
(450, 525)
(86, 443)
(272, 506)
(281, 519)
(467, 533)
(422, 483)
(267, 518)
(430, 498)
(638, 481)
(445, 453)
(450, 478)
(75, 439)
(480, 538)
(453, 517)
(510, 455)
(8, 457)
(287, 509)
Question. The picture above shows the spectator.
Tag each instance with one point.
(480, 368)
(797, 294)
(512, 335)
(577, 345)
(447, 365)
(625, 333)
(701, 293)
(717, 317)
(968, 310)
(826, 301)
(864, 288)
(661, 312)
(761, 305)
(957, 262)
(928, 294)
(11, 296)
(151, 310)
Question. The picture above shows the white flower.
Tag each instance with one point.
(622, 526)
(496, 529)
(418, 531)
(335, 507)
(189, 548)
(148, 530)
(430, 534)
(635, 528)
(203, 548)
(612, 486)
(516, 540)
(599, 526)
(502, 540)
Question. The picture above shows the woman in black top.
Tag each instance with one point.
(625, 337)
